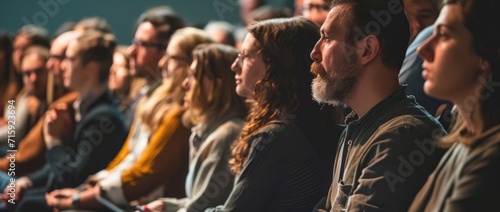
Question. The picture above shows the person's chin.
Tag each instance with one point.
(320, 93)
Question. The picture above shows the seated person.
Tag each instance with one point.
(217, 113)
(30, 104)
(154, 160)
(276, 165)
(99, 132)
(30, 155)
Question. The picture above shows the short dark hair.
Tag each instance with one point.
(393, 34)
(37, 35)
(165, 21)
(97, 46)
(94, 23)
(41, 51)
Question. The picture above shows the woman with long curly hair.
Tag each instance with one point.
(275, 162)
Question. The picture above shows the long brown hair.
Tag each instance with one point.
(479, 16)
(285, 44)
(11, 82)
(214, 62)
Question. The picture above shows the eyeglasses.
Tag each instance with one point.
(70, 59)
(28, 73)
(320, 7)
(241, 57)
(58, 57)
(148, 44)
(176, 58)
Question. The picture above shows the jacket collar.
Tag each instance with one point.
(395, 100)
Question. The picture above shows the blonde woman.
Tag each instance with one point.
(154, 160)
(216, 112)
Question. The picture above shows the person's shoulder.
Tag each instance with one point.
(413, 124)
(227, 131)
(488, 146)
(104, 114)
(233, 124)
(67, 98)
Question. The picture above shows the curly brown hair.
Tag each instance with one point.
(284, 44)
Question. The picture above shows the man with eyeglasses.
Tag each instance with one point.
(148, 47)
(316, 10)
(57, 50)
(85, 136)
(31, 149)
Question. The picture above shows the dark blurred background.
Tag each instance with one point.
(120, 14)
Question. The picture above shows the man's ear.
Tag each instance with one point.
(369, 47)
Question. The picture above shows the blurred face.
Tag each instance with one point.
(173, 60)
(34, 74)
(73, 68)
(146, 51)
(451, 65)
(335, 63)
(57, 51)
(21, 43)
(315, 10)
(119, 78)
(421, 14)
(190, 83)
(298, 7)
(248, 67)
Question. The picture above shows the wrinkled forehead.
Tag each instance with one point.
(336, 18)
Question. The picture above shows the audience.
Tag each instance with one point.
(387, 129)
(99, 132)
(462, 65)
(30, 104)
(30, 155)
(154, 160)
(347, 106)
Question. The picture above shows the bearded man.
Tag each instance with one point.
(387, 150)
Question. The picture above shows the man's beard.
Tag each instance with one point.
(334, 87)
